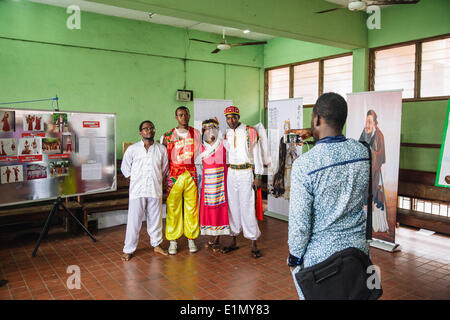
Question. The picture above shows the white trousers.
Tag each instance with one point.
(241, 204)
(137, 209)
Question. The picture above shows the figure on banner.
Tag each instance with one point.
(29, 120)
(13, 146)
(244, 154)
(60, 121)
(26, 148)
(37, 126)
(372, 135)
(183, 144)
(16, 173)
(68, 143)
(34, 146)
(214, 200)
(6, 127)
(281, 184)
(7, 172)
(145, 163)
(3, 153)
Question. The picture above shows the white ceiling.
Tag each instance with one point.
(155, 18)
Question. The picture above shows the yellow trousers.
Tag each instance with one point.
(175, 226)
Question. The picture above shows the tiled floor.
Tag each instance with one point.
(420, 271)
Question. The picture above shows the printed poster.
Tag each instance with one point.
(375, 117)
(282, 114)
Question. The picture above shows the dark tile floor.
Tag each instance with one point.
(421, 270)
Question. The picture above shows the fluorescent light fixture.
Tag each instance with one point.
(246, 31)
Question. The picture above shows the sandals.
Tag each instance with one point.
(127, 256)
(256, 254)
(228, 249)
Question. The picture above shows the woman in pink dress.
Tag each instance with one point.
(214, 200)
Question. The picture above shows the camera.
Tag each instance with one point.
(292, 138)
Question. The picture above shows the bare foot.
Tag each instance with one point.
(160, 250)
(127, 256)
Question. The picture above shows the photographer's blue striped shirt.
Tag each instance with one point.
(326, 210)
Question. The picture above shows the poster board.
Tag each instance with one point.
(46, 154)
(383, 136)
(280, 111)
(443, 171)
(205, 109)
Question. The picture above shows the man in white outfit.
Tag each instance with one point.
(146, 162)
(244, 155)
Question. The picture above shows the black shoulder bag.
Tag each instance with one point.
(346, 274)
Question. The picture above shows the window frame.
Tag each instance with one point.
(291, 76)
(417, 66)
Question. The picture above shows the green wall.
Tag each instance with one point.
(121, 66)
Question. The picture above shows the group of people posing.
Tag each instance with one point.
(231, 167)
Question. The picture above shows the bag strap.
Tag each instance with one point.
(370, 195)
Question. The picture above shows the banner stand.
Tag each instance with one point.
(276, 215)
(384, 245)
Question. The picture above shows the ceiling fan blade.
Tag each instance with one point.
(203, 41)
(215, 50)
(386, 3)
(247, 43)
(328, 10)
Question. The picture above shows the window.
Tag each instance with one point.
(306, 82)
(394, 69)
(338, 75)
(435, 77)
(425, 206)
(421, 68)
(279, 84)
(310, 79)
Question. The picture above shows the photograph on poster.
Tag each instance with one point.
(59, 168)
(375, 118)
(30, 145)
(8, 121)
(8, 147)
(11, 174)
(60, 122)
(68, 143)
(36, 171)
(33, 122)
(51, 145)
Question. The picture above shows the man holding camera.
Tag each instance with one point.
(328, 185)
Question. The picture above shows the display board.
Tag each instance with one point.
(205, 109)
(376, 117)
(443, 172)
(282, 114)
(49, 154)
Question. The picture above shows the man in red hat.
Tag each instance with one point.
(244, 157)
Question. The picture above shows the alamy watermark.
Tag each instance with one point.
(74, 20)
(74, 280)
(374, 279)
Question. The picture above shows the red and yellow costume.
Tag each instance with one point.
(182, 184)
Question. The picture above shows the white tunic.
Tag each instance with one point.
(240, 154)
(146, 168)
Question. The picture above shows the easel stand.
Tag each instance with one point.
(55, 210)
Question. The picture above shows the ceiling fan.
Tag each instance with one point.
(362, 5)
(223, 45)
